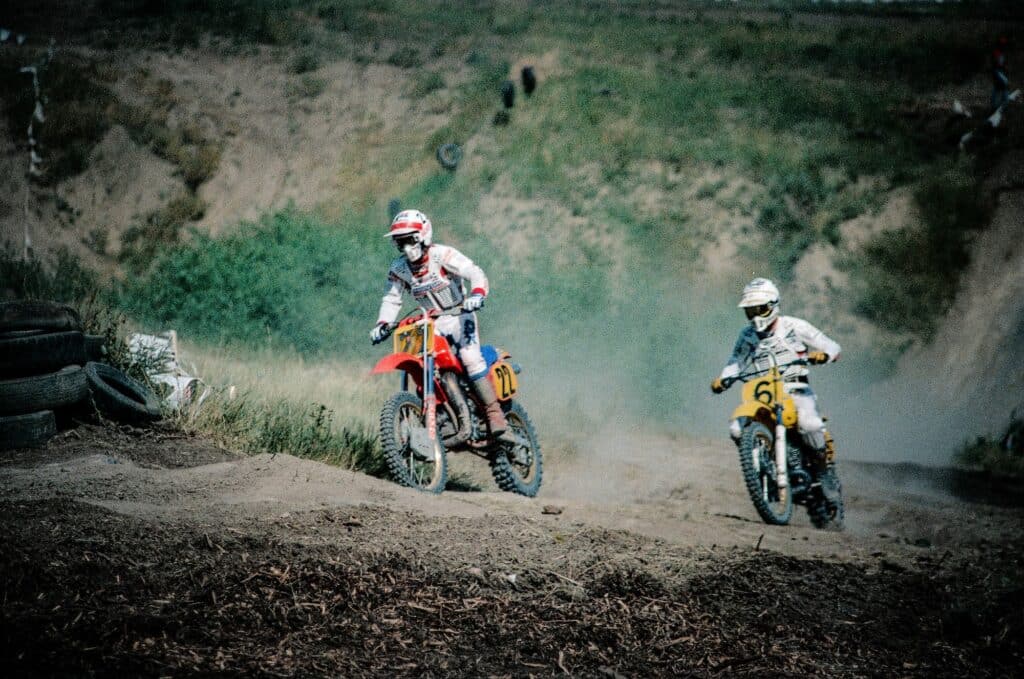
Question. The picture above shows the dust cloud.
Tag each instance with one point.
(615, 392)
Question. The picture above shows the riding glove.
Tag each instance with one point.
(473, 302)
(817, 357)
(716, 385)
(380, 333)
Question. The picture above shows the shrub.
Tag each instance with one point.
(142, 242)
(405, 58)
(1000, 456)
(304, 62)
(427, 82)
(290, 280)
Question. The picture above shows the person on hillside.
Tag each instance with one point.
(787, 338)
(1000, 80)
(434, 275)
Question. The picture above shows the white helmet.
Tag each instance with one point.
(760, 301)
(412, 233)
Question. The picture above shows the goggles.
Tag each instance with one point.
(761, 310)
(406, 239)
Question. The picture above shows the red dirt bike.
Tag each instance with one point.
(417, 430)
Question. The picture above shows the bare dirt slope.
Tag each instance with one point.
(149, 553)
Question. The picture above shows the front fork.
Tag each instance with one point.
(781, 471)
(429, 397)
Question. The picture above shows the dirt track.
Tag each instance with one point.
(131, 553)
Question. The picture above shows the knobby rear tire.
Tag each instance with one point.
(756, 434)
(509, 475)
(402, 464)
(824, 514)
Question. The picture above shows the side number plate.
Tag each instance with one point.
(504, 380)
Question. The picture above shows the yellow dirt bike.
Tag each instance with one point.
(779, 469)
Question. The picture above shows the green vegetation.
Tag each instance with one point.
(251, 425)
(1001, 456)
(909, 277)
(290, 281)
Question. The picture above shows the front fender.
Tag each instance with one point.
(754, 411)
(406, 362)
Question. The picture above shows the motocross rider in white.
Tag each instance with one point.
(434, 274)
(788, 338)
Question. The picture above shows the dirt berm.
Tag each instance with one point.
(125, 553)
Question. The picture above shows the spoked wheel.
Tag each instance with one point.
(825, 514)
(757, 461)
(413, 459)
(518, 467)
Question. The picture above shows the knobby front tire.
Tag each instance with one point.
(401, 411)
(773, 504)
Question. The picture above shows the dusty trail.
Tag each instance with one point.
(150, 553)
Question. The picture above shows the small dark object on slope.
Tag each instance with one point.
(508, 93)
(529, 80)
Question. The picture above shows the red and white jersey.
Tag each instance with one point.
(436, 282)
(789, 339)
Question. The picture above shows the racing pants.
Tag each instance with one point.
(463, 335)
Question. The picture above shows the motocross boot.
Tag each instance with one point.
(830, 486)
(495, 417)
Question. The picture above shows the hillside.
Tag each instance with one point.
(669, 151)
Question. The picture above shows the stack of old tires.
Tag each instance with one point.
(48, 366)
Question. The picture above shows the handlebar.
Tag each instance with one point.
(729, 381)
(432, 313)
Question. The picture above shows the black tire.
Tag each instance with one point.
(518, 477)
(773, 505)
(39, 354)
(529, 80)
(43, 392)
(26, 431)
(95, 347)
(38, 315)
(825, 514)
(15, 334)
(449, 156)
(508, 93)
(429, 476)
(119, 397)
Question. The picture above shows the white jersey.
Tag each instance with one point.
(791, 338)
(436, 284)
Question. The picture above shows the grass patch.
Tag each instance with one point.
(426, 82)
(252, 425)
(306, 87)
